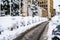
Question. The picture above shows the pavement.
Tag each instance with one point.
(36, 33)
(44, 34)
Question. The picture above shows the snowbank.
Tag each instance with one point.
(11, 27)
(53, 23)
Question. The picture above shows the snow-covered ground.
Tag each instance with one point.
(52, 25)
(11, 27)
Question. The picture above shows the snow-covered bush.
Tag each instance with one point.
(11, 27)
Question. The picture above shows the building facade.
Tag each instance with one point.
(48, 5)
(31, 11)
(30, 8)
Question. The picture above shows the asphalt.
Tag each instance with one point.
(44, 34)
(36, 33)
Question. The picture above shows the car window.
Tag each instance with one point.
(58, 27)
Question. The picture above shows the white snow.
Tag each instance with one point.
(19, 25)
(52, 25)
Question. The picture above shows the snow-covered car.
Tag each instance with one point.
(56, 33)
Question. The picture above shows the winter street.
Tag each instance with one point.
(29, 19)
(37, 33)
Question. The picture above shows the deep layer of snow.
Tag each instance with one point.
(19, 25)
(52, 25)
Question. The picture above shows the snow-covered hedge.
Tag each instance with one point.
(11, 27)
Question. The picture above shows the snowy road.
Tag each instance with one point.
(34, 33)
(11, 27)
(44, 34)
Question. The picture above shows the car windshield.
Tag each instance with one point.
(58, 27)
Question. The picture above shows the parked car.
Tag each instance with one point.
(56, 33)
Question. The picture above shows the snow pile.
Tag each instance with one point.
(52, 25)
(11, 27)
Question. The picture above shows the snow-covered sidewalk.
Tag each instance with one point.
(11, 27)
(52, 25)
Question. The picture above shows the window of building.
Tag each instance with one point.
(42, 2)
(46, 8)
(38, 2)
(46, 5)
